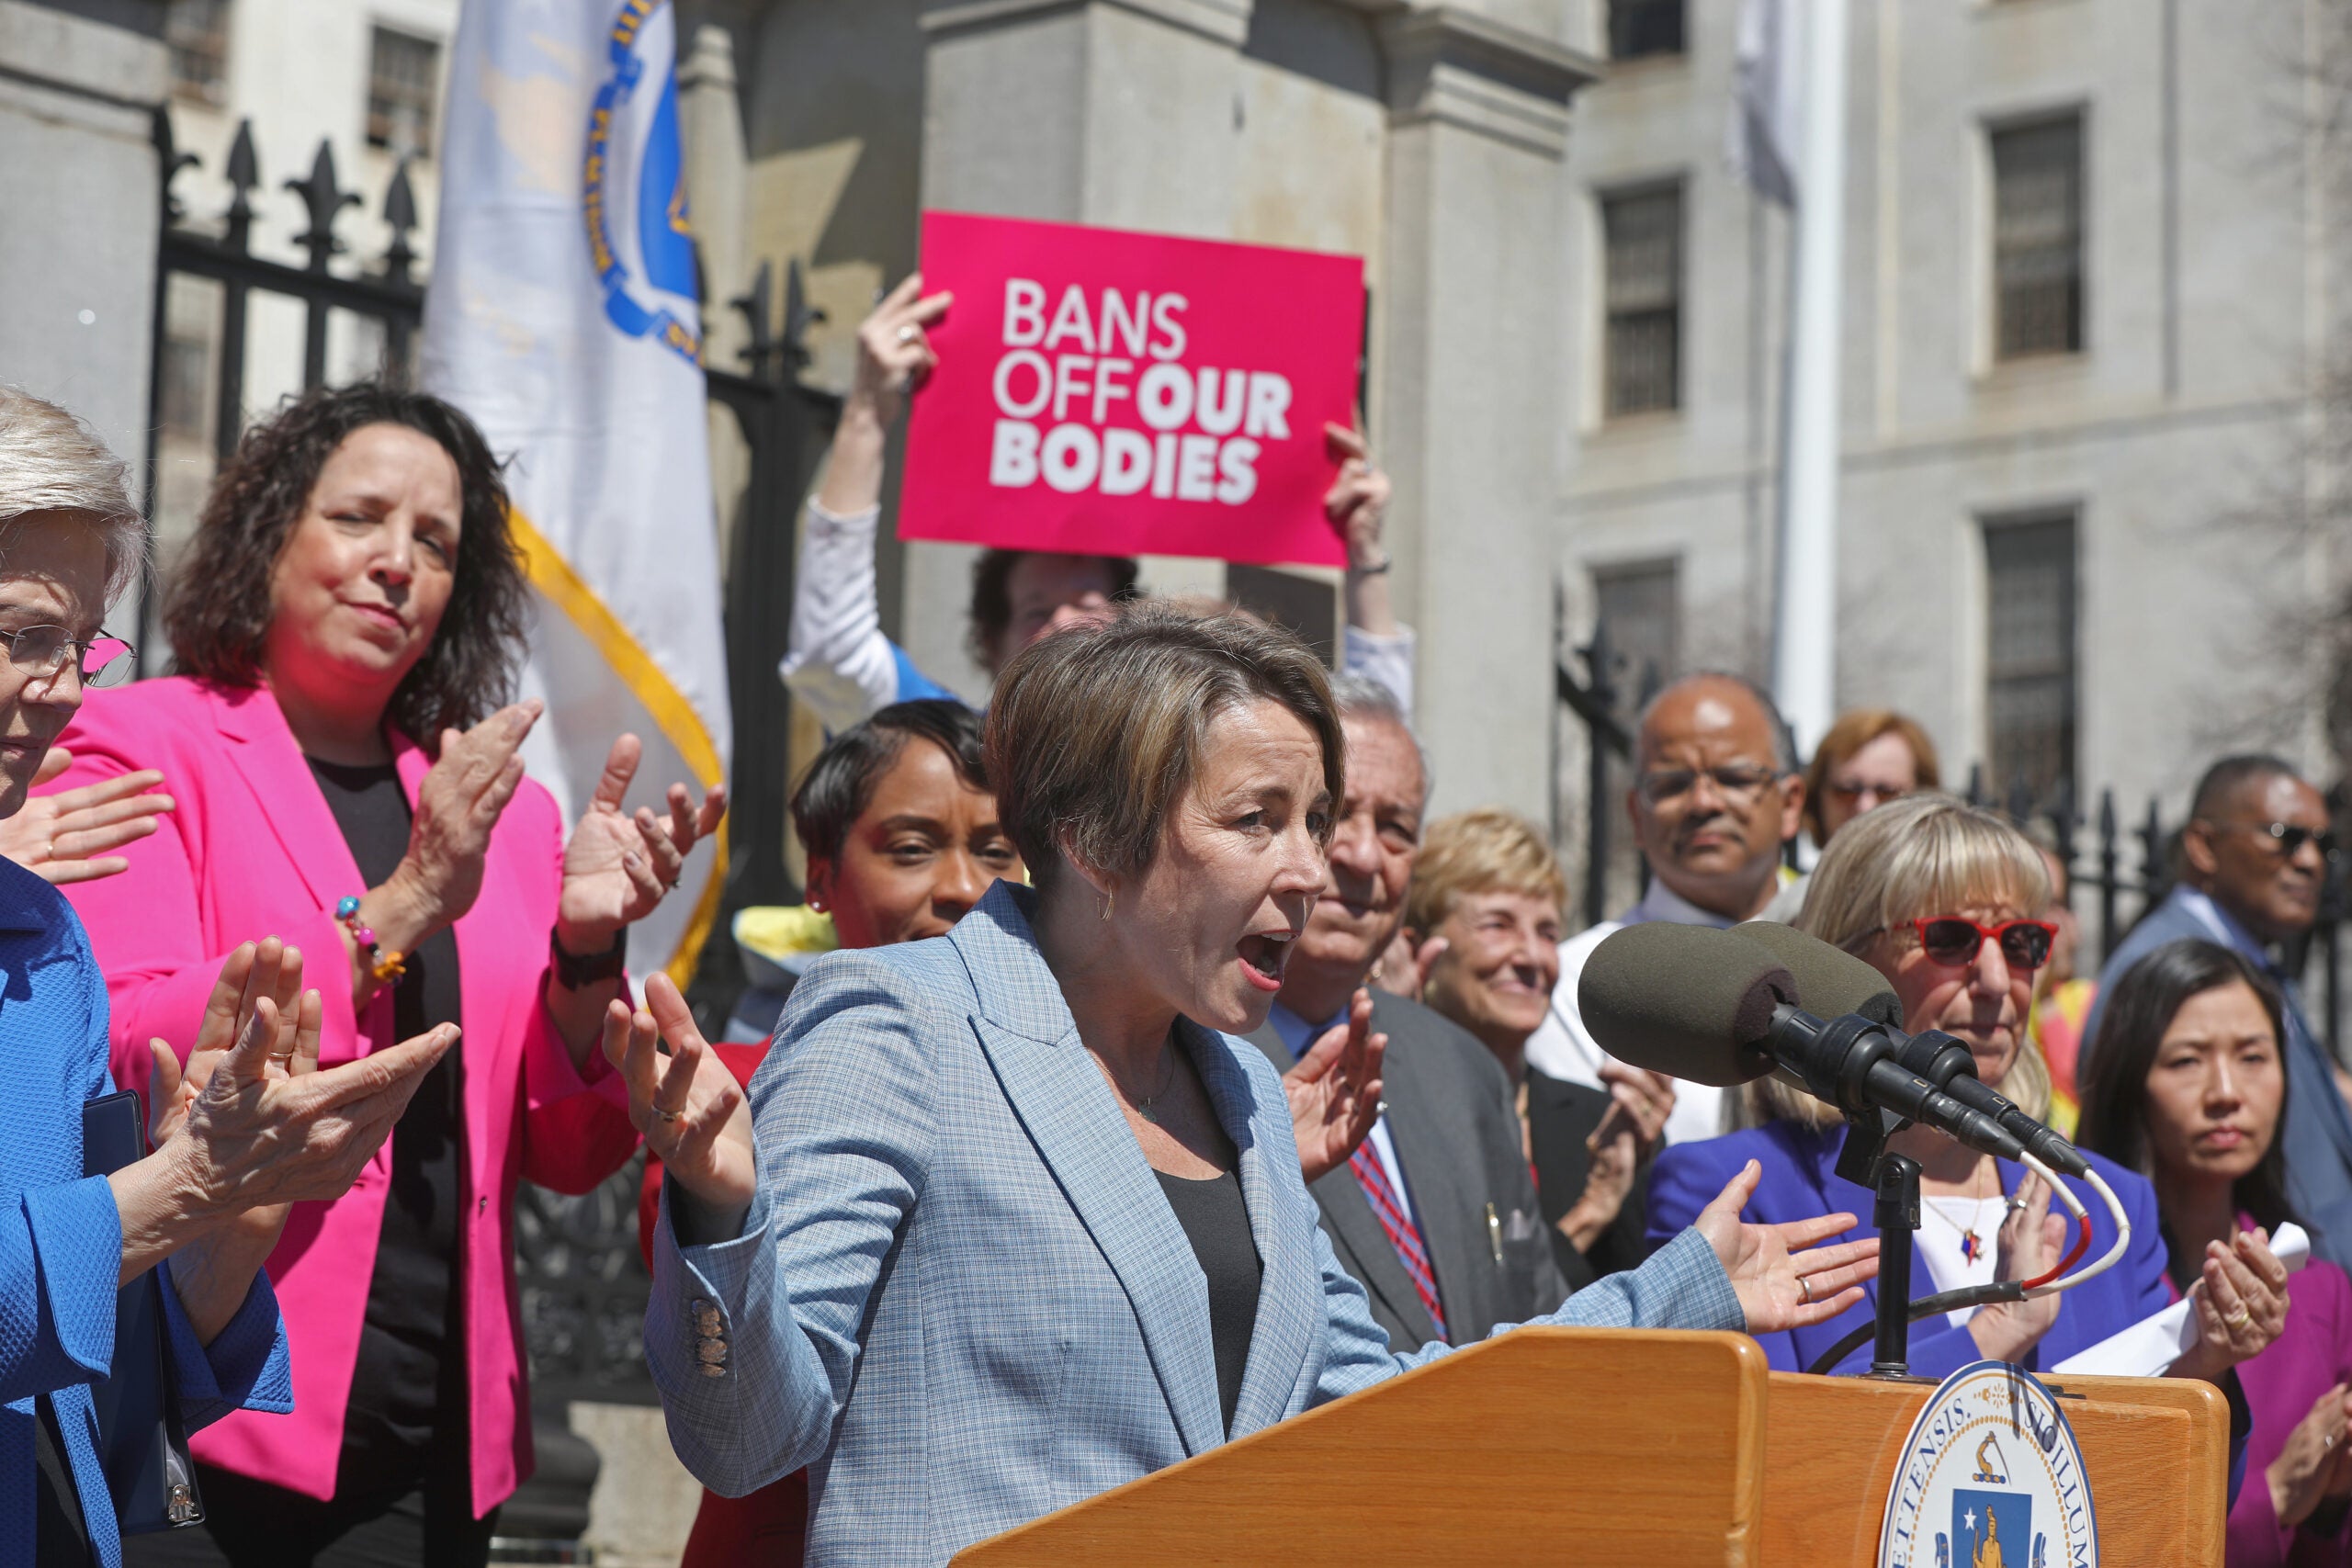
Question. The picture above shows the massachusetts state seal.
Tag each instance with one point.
(1990, 1478)
(632, 185)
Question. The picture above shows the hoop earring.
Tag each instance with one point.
(1108, 899)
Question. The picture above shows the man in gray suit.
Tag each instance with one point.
(2256, 852)
(1436, 1216)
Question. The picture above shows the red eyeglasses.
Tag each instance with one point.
(1954, 940)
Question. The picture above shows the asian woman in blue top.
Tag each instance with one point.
(1944, 900)
(252, 1127)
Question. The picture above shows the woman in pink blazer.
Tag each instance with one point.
(349, 616)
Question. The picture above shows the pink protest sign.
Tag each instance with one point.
(1109, 393)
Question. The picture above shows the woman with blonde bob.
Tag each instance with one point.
(1944, 900)
(1012, 1216)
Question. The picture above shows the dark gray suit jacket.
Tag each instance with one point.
(1456, 1128)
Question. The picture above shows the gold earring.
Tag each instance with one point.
(1108, 899)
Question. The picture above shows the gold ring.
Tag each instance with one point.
(668, 1115)
(2238, 1317)
(1805, 1289)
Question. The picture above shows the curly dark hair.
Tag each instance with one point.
(992, 609)
(217, 609)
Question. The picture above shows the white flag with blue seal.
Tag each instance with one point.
(562, 318)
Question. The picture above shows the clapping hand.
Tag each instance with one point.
(458, 803)
(65, 838)
(2240, 1299)
(1782, 1280)
(691, 1112)
(2315, 1467)
(617, 866)
(1334, 1092)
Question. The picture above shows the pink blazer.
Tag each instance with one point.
(252, 850)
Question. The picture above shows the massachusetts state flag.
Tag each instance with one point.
(562, 318)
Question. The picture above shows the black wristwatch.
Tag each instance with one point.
(575, 971)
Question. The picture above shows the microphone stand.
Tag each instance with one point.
(1894, 1178)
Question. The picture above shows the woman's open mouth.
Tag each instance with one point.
(1262, 954)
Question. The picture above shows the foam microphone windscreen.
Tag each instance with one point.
(1831, 982)
(1690, 1001)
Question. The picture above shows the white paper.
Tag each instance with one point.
(2150, 1346)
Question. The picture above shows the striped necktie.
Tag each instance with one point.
(1403, 1233)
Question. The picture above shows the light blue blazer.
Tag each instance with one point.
(960, 1297)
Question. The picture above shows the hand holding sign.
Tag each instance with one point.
(1105, 393)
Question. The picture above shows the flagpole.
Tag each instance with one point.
(1805, 615)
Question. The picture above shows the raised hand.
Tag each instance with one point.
(66, 837)
(458, 806)
(1357, 502)
(690, 1111)
(1334, 1092)
(1785, 1280)
(1639, 1103)
(894, 350)
(2240, 1303)
(618, 867)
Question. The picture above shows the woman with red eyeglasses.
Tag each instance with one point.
(1944, 900)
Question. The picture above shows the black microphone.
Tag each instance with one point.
(1831, 981)
(1713, 1007)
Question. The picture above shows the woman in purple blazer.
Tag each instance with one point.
(2189, 1087)
(1938, 896)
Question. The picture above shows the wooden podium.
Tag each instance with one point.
(1585, 1446)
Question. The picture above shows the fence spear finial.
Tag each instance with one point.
(244, 172)
(325, 198)
(400, 212)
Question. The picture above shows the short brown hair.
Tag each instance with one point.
(1095, 731)
(1855, 730)
(1485, 851)
(217, 611)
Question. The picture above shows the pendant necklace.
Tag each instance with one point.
(1970, 1244)
(1145, 1108)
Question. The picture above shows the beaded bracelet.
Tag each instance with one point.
(385, 967)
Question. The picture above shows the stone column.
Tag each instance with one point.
(711, 129)
(78, 186)
(1470, 380)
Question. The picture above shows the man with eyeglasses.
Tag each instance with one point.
(2256, 855)
(1716, 797)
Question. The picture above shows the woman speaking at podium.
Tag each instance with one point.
(1011, 1217)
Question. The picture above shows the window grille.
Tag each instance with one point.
(197, 33)
(1641, 608)
(2037, 239)
(1643, 299)
(1638, 28)
(402, 73)
(2030, 667)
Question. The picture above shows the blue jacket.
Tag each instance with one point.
(961, 1297)
(1801, 1180)
(60, 1240)
(2318, 1135)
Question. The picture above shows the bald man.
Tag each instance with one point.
(1715, 796)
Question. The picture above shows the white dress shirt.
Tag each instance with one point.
(1298, 1034)
(1562, 1048)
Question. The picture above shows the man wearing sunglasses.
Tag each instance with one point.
(1715, 796)
(2257, 851)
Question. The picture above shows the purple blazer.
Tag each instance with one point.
(1801, 1180)
(2281, 1384)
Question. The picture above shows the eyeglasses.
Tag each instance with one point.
(42, 651)
(1855, 791)
(2288, 836)
(1954, 940)
(1737, 783)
